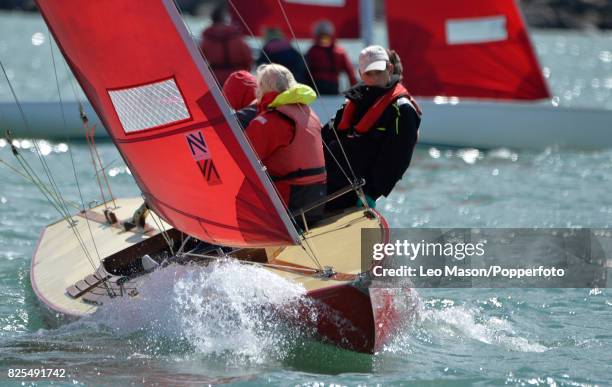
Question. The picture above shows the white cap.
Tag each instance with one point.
(373, 58)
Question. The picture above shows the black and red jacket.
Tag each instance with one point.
(379, 151)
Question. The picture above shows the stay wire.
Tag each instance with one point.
(317, 90)
(102, 167)
(160, 226)
(246, 26)
(74, 91)
(38, 152)
(78, 235)
(29, 179)
(225, 98)
(88, 134)
(307, 247)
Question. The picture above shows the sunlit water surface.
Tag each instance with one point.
(192, 327)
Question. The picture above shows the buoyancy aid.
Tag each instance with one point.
(302, 161)
(373, 114)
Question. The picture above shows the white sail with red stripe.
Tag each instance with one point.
(471, 48)
(157, 98)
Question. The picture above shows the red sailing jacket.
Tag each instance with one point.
(225, 50)
(327, 62)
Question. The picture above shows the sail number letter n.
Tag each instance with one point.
(201, 155)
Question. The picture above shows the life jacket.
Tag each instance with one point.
(296, 163)
(375, 111)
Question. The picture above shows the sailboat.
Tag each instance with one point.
(156, 96)
(470, 65)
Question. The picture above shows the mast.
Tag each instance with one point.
(366, 16)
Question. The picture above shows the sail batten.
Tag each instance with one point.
(156, 96)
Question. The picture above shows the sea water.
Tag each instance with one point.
(193, 327)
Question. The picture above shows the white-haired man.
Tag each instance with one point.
(286, 134)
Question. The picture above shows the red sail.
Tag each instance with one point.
(302, 14)
(157, 98)
(471, 48)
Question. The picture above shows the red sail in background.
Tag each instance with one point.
(471, 48)
(302, 14)
(157, 98)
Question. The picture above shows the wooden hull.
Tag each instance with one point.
(358, 318)
(458, 123)
(349, 314)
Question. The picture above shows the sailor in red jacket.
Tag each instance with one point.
(223, 46)
(286, 134)
(239, 90)
(326, 60)
(377, 127)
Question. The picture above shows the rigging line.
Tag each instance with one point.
(259, 43)
(29, 179)
(73, 85)
(261, 165)
(162, 229)
(314, 84)
(328, 149)
(77, 233)
(46, 193)
(324, 107)
(260, 46)
(312, 254)
(193, 39)
(82, 201)
(81, 109)
(34, 141)
(110, 192)
(49, 195)
(108, 165)
(88, 132)
(61, 106)
(80, 104)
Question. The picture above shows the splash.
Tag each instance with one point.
(227, 309)
(458, 323)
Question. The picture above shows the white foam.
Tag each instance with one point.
(461, 322)
(226, 308)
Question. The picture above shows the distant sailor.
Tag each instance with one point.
(286, 135)
(278, 49)
(377, 126)
(223, 46)
(327, 60)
